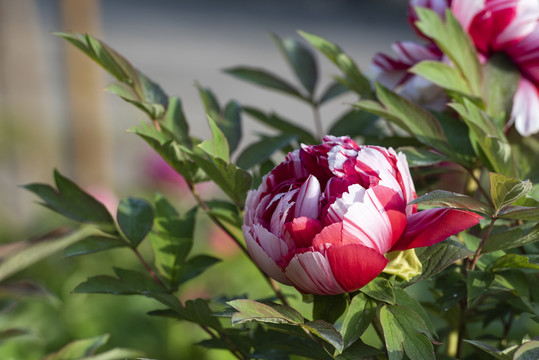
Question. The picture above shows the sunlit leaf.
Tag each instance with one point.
(250, 310)
(505, 190)
(355, 80)
(442, 198)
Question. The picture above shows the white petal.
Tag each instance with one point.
(312, 273)
(308, 198)
(261, 258)
(368, 223)
(526, 108)
(339, 208)
(281, 211)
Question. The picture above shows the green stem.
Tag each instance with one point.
(479, 186)
(148, 268)
(482, 243)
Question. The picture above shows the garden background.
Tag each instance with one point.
(53, 114)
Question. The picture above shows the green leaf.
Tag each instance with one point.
(354, 123)
(195, 266)
(380, 289)
(505, 190)
(520, 213)
(135, 87)
(285, 126)
(234, 181)
(334, 90)
(405, 331)
(117, 354)
(11, 332)
(501, 82)
(250, 310)
(230, 124)
(448, 199)
(71, 201)
(301, 60)
(176, 122)
(262, 150)
(199, 312)
(135, 218)
(454, 42)
(225, 211)
(209, 100)
(477, 283)
(94, 244)
(498, 354)
(328, 307)
(325, 331)
(438, 257)
(171, 240)
(488, 141)
(357, 318)
(443, 75)
(217, 148)
(513, 261)
(265, 79)
(354, 80)
(404, 299)
(172, 152)
(421, 157)
(416, 121)
(127, 282)
(359, 350)
(527, 351)
(31, 251)
(79, 348)
(504, 240)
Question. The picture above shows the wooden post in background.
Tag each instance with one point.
(29, 141)
(92, 156)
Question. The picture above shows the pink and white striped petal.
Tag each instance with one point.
(339, 208)
(311, 273)
(261, 257)
(367, 223)
(308, 199)
(525, 112)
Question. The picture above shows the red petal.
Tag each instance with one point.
(331, 234)
(395, 206)
(431, 226)
(303, 230)
(355, 265)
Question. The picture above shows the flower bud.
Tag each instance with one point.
(324, 218)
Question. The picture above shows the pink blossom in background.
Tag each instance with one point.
(394, 73)
(106, 196)
(159, 171)
(510, 27)
(324, 218)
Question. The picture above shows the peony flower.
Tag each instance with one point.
(323, 219)
(393, 73)
(510, 27)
